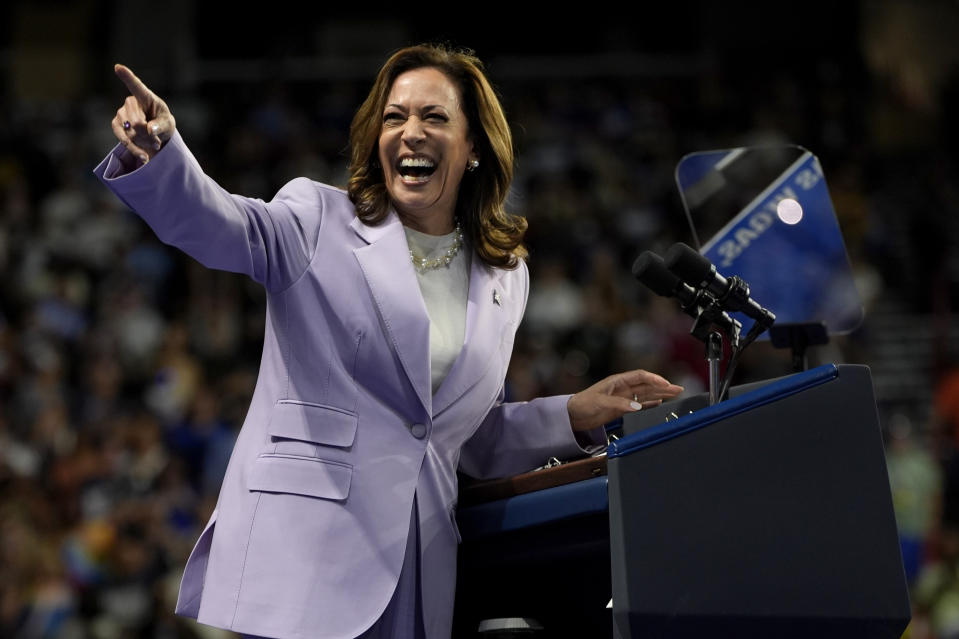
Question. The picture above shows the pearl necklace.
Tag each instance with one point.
(427, 264)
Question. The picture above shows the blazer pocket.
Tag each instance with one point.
(308, 476)
(317, 423)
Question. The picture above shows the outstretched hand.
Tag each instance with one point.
(616, 395)
(144, 123)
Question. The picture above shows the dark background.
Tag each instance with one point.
(125, 368)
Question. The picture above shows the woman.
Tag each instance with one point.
(390, 320)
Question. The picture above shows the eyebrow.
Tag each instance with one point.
(426, 107)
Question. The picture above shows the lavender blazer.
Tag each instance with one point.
(310, 528)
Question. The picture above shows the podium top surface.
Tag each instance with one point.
(723, 410)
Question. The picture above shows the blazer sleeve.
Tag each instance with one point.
(272, 242)
(516, 437)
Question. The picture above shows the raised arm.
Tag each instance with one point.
(153, 172)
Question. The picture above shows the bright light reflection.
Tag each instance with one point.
(789, 210)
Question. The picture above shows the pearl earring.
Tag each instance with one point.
(473, 164)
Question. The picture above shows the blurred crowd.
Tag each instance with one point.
(126, 368)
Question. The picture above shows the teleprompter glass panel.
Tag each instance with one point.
(764, 214)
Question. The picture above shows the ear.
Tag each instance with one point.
(472, 154)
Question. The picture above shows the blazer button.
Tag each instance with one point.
(418, 430)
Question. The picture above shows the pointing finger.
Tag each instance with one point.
(135, 86)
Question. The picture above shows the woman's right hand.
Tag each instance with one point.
(144, 123)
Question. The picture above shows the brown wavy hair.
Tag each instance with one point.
(496, 235)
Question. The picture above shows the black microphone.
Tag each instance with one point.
(650, 270)
(732, 293)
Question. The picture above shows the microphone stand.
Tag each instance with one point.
(712, 323)
(714, 352)
(709, 327)
(754, 332)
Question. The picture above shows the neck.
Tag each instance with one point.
(433, 225)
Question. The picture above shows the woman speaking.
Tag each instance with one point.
(391, 312)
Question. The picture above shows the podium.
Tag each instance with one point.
(767, 515)
(537, 546)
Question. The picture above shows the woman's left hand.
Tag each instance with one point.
(622, 393)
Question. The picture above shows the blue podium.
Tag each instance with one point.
(766, 515)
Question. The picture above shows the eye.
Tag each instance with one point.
(392, 117)
(436, 117)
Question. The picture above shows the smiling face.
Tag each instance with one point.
(424, 148)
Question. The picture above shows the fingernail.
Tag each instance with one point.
(155, 128)
(144, 158)
(157, 145)
(636, 406)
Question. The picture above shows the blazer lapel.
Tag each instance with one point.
(386, 265)
(486, 317)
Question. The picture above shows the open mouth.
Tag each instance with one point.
(415, 168)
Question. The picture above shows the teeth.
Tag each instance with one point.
(420, 162)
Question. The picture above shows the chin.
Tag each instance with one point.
(416, 203)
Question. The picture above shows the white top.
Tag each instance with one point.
(445, 290)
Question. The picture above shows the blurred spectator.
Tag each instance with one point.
(946, 404)
(936, 592)
(555, 304)
(915, 479)
(176, 377)
(203, 441)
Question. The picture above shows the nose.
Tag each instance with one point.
(413, 132)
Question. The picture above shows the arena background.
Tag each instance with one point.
(125, 368)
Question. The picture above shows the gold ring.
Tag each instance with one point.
(635, 399)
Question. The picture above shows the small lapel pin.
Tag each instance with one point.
(496, 297)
